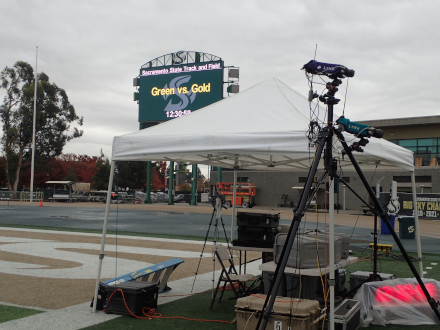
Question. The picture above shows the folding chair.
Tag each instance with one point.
(229, 275)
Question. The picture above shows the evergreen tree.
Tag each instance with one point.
(102, 174)
(54, 116)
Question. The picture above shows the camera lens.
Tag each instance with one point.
(349, 73)
(378, 133)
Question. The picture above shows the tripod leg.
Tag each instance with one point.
(226, 236)
(299, 213)
(203, 249)
(386, 219)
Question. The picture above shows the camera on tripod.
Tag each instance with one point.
(222, 200)
(326, 69)
(360, 130)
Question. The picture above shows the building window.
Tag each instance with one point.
(303, 179)
(408, 143)
(407, 178)
(425, 150)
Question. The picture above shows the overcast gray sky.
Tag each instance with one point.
(93, 49)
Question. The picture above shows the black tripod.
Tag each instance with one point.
(330, 167)
(216, 218)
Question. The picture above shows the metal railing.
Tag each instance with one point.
(23, 196)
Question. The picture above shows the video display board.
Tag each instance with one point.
(168, 92)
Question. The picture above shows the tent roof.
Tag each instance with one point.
(263, 127)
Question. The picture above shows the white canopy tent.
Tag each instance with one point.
(260, 127)
(263, 128)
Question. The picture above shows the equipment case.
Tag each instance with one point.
(257, 234)
(287, 313)
(347, 315)
(359, 277)
(102, 297)
(268, 279)
(137, 295)
(262, 220)
(345, 251)
(305, 256)
(256, 237)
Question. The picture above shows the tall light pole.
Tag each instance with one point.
(33, 130)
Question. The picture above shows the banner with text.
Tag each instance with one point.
(428, 205)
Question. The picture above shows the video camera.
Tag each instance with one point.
(222, 200)
(360, 130)
(326, 69)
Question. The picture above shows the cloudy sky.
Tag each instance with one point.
(93, 49)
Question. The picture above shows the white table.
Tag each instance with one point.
(250, 248)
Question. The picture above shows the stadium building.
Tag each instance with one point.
(418, 134)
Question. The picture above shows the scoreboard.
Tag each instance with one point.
(176, 90)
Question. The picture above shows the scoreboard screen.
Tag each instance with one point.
(173, 91)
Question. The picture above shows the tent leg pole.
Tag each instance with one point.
(104, 233)
(234, 195)
(331, 210)
(416, 218)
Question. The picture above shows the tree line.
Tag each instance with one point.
(56, 124)
(96, 171)
(53, 125)
(82, 168)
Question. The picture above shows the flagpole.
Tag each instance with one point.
(33, 130)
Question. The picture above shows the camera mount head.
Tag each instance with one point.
(332, 87)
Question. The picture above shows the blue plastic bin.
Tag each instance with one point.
(383, 227)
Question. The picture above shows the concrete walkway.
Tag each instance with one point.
(81, 316)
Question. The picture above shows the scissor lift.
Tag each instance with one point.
(244, 195)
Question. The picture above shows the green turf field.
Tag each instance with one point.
(8, 313)
(198, 306)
